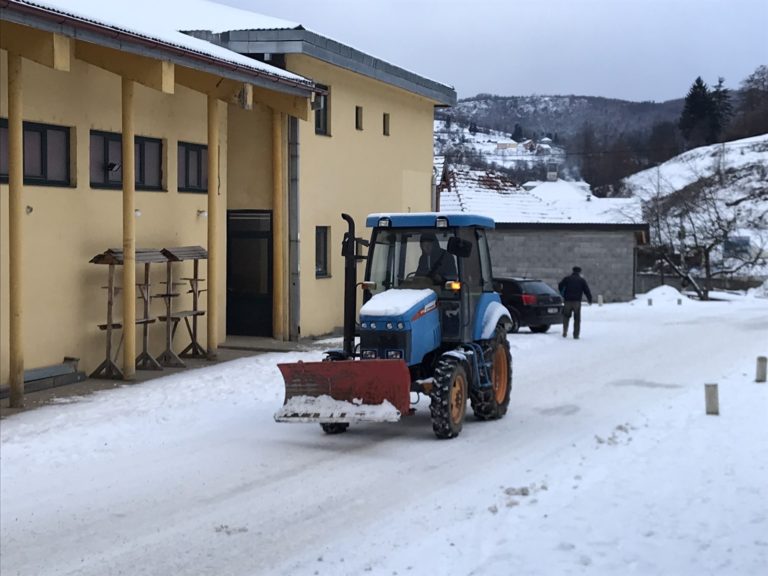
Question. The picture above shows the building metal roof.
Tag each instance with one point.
(301, 41)
(557, 203)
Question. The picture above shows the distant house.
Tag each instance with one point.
(544, 229)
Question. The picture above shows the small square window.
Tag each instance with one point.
(359, 117)
(385, 127)
(322, 234)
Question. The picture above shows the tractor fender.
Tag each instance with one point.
(494, 313)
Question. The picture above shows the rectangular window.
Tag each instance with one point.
(192, 166)
(386, 124)
(45, 153)
(322, 233)
(359, 117)
(149, 163)
(106, 155)
(321, 112)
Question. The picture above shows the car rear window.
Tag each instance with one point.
(538, 288)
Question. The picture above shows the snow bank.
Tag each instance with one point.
(326, 409)
(662, 295)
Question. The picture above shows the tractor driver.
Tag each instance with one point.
(434, 262)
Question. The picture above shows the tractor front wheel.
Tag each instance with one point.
(493, 403)
(448, 398)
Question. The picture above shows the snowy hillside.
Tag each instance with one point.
(710, 195)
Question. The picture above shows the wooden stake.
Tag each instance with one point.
(713, 404)
(599, 299)
(762, 368)
(650, 301)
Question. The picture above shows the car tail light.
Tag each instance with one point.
(529, 299)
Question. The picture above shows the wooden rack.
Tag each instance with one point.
(172, 318)
(145, 361)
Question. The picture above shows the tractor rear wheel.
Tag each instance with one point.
(491, 404)
(448, 398)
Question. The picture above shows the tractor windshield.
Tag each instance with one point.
(411, 258)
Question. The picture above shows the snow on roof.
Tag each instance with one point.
(496, 195)
(162, 21)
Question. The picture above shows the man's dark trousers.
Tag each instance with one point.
(572, 306)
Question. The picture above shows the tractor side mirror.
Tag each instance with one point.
(459, 247)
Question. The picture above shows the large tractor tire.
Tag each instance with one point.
(491, 404)
(448, 398)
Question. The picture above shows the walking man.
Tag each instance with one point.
(573, 288)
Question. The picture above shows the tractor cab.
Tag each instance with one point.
(447, 254)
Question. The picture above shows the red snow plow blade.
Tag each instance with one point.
(345, 391)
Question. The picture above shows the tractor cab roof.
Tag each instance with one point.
(427, 220)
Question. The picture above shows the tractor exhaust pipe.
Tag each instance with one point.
(348, 250)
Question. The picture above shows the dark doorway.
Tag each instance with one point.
(249, 273)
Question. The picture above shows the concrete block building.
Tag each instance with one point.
(544, 229)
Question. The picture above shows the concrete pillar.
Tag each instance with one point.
(279, 320)
(214, 198)
(129, 232)
(15, 229)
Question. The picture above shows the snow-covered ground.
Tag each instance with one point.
(605, 464)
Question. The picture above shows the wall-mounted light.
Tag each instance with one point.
(137, 212)
(29, 209)
(114, 166)
(202, 213)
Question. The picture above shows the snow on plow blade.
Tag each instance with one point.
(345, 391)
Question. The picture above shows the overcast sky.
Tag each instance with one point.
(630, 49)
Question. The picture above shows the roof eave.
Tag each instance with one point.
(43, 19)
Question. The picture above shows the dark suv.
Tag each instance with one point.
(530, 302)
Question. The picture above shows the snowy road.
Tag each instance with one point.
(606, 463)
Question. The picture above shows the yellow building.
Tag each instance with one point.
(302, 135)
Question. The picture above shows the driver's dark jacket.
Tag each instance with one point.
(438, 265)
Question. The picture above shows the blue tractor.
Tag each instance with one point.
(430, 324)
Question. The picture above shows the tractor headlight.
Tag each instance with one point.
(373, 325)
(369, 354)
(364, 325)
(395, 354)
(400, 326)
(441, 222)
(390, 325)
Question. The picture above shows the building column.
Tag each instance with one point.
(15, 229)
(214, 193)
(279, 259)
(129, 233)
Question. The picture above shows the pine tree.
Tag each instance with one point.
(722, 110)
(696, 118)
(517, 134)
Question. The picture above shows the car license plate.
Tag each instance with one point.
(552, 310)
